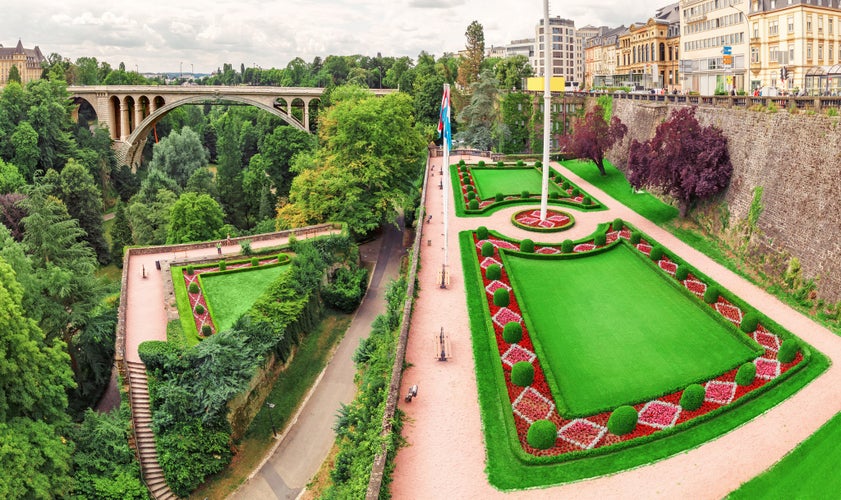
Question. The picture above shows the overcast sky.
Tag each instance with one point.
(160, 35)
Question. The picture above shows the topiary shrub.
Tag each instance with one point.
(636, 237)
(617, 224)
(281, 257)
(461, 163)
(749, 322)
(255, 262)
(501, 297)
(521, 163)
(471, 195)
(599, 239)
(542, 434)
(565, 185)
(746, 374)
(499, 196)
(190, 270)
(788, 351)
(482, 232)
(525, 194)
(222, 265)
(539, 164)
(575, 191)
(586, 200)
(693, 397)
(552, 174)
(194, 287)
(206, 330)
(522, 374)
(554, 195)
(682, 272)
(470, 187)
(711, 295)
(199, 309)
(493, 272)
(487, 249)
(157, 354)
(527, 246)
(473, 205)
(656, 253)
(512, 332)
(623, 420)
(567, 246)
(500, 163)
(481, 163)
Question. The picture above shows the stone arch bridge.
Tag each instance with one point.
(130, 111)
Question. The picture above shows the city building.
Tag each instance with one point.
(563, 52)
(709, 28)
(28, 62)
(582, 35)
(649, 52)
(522, 47)
(600, 58)
(798, 40)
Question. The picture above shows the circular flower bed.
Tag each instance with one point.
(555, 221)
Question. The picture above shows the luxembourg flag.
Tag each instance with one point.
(444, 119)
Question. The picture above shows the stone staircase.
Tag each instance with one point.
(153, 475)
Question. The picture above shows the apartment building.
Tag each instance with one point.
(709, 28)
(601, 58)
(563, 52)
(649, 52)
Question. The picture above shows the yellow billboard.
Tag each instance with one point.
(535, 84)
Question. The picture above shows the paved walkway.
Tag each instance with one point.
(445, 457)
(301, 450)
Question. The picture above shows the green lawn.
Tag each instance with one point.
(809, 471)
(508, 181)
(230, 295)
(610, 330)
(616, 185)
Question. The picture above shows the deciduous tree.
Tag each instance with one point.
(592, 136)
(194, 217)
(179, 154)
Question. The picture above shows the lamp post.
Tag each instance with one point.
(271, 419)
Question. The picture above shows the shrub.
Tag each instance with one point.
(749, 322)
(693, 397)
(501, 297)
(512, 332)
(199, 309)
(156, 354)
(346, 289)
(190, 270)
(521, 163)
(656, 253)
(470, 187)
(567, 246)
(525, 194)
(636, 237)
(487, 249)
(551, 174)
(542, 434)
(482, 232)
(682, 272)
(711, 295)
(499, 197)
(623, 420)
(493, 272)
(788, 351)
(586, 200)
(539, 164)
(522, 374)
(600, 239)
(473, 205)
(471, 195)
(206, 330)
(617, 224)
(255, 262)
(461, 163)
(281, 257)
(527, 246)
(194, 287)
(481, 163)
(500, 163)
(576, 191)
(554, 195)
(565, 185)
(245, 247)
(222, 265)
(746, 374)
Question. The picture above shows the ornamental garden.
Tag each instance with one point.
(608, 352)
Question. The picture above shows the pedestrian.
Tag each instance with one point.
(219, 248)
(228, 240)
(429, 219)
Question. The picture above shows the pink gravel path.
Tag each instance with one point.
(446, 453)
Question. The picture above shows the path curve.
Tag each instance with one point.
(445, 456)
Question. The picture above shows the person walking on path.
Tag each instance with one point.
(219, 248)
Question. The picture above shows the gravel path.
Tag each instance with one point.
(446, 453)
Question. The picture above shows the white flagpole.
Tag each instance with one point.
(547, 108)
(444, 184)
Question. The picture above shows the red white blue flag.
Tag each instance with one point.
(444, 118)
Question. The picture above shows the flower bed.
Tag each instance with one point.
(555, 221)
(662, 414)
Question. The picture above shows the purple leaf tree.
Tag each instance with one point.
(592, 136)
(683, 159)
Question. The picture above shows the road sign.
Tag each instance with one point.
(727, 50)
(727, 59)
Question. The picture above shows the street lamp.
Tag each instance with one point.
(271, 419)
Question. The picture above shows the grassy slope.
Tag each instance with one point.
(606, 347)
(508, 182)
(231, 295)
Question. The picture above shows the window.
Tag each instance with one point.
(791, 54)
(756, 30)
(820, 52)
(754, 55)
(820, 25)
(773, 28)
(829, 25)
(830, 52)
(809, 52)
(809, 23)
(773, 4)
(774, 54)
(790, 21)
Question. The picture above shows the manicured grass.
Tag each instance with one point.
(231, 295)
(185, 312)
(809, 471)
(506, 468)
(612, 331)
(508, 181)
(616, 185)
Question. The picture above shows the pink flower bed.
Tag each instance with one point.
(536, 401)
(555, 220)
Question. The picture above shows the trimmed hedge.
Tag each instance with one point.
(567, 246)
(500, 163)
(481, 163)
(206, 330)
(522, 374)
(575, 191)
(565, 185)
(487, 249)
(525, 194)
(538, 164)
(746, 374)
(788, 351)
(473, 205)
(542, 434)
(521, 163)
(693, 397)
(493, 272)
(512, 332)
(682, 272)
(222, 265)
(482, 232)
(470, 187)
(617, 224)
(471, 195)
(527, 246)
(199, 309)
(255, 262)
(636, 237)
(586, 200)
(499, 197)
(711, 294)
(623, 420)
(194, 287)
(501, 297)
(749, 322)
(600, 239)
(554, 195)
(190, 270)
(656, 253)
(156, 354)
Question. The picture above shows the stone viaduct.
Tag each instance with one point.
(130, 111)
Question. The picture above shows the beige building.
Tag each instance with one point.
(28, 62)
(800, 37)
(563, 53)
(709, 28)
(601, 58)
(649, 52)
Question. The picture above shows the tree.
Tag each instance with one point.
(684, 159)
(10, 179)
(511, 71)
(179, 155)
(277, 151)
(155, 181)
(229, 168)
(479, 117)
(149, 220)
(83, 200)
(120, 234)
(471, 62)
(12, 214)
(25, 142)
(592, 136)
(14, 74)
(48, 112)
(194, 217)
(202, 181)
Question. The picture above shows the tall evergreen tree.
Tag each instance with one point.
(120, 234)
(471, 62)
(229, 169)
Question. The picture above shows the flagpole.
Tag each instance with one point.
(547, 108)
(445, 101)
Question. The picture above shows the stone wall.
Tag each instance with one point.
(795, 158)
